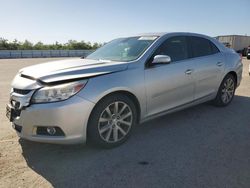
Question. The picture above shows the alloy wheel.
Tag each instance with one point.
(115, 122)
(228, 90)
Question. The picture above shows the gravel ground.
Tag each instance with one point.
(202, 146)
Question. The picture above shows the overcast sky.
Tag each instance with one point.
(102, 20)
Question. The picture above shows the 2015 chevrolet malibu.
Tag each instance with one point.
(125, 82)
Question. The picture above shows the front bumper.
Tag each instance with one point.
(71, 116)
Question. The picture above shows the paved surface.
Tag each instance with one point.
(203, 146)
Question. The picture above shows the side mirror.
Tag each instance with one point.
(161, 59)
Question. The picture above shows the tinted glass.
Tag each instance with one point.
(123, 49)
(175, 47)
(202, 47)
(214, 48)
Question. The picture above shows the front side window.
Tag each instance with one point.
(123, 49)
(175, 48)
(202, 47)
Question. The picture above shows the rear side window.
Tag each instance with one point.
(202, 47)
(215, 50)
(175, 48)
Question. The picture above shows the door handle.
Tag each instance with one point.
(219, 64)
(189, 71)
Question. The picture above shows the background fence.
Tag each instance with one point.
(4, 54)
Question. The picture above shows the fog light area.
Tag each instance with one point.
(49, 131)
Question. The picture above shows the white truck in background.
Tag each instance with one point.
(248, 54)
(239, 43)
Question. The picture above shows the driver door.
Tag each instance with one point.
(170, 85)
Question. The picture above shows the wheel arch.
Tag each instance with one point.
(234, 75)
(126, 93)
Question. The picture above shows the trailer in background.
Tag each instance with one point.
(239, 43)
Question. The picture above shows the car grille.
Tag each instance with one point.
(21, 91)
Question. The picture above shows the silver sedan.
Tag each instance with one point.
(130, 80)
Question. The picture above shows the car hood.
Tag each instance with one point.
(71, 70)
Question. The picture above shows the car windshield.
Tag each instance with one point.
(123, 49)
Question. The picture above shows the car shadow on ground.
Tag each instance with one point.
(202, 146)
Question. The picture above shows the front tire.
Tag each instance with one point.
(226, 91)
(111, 121)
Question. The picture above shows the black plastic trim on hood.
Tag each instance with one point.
(31, 78)
(28, 77)
(65, 81)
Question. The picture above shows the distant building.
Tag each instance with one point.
(237, 42)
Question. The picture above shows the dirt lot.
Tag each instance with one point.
(203, 146)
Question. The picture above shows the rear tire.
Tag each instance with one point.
(226, 91)
(111, 121)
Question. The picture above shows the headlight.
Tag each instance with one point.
(58, 92)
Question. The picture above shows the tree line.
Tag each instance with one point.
(27, 45)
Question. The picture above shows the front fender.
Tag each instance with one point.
(131, 81)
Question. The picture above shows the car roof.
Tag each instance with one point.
(162, 34)
(173, 33)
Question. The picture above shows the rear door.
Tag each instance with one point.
(209, 65)
(170, 85)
